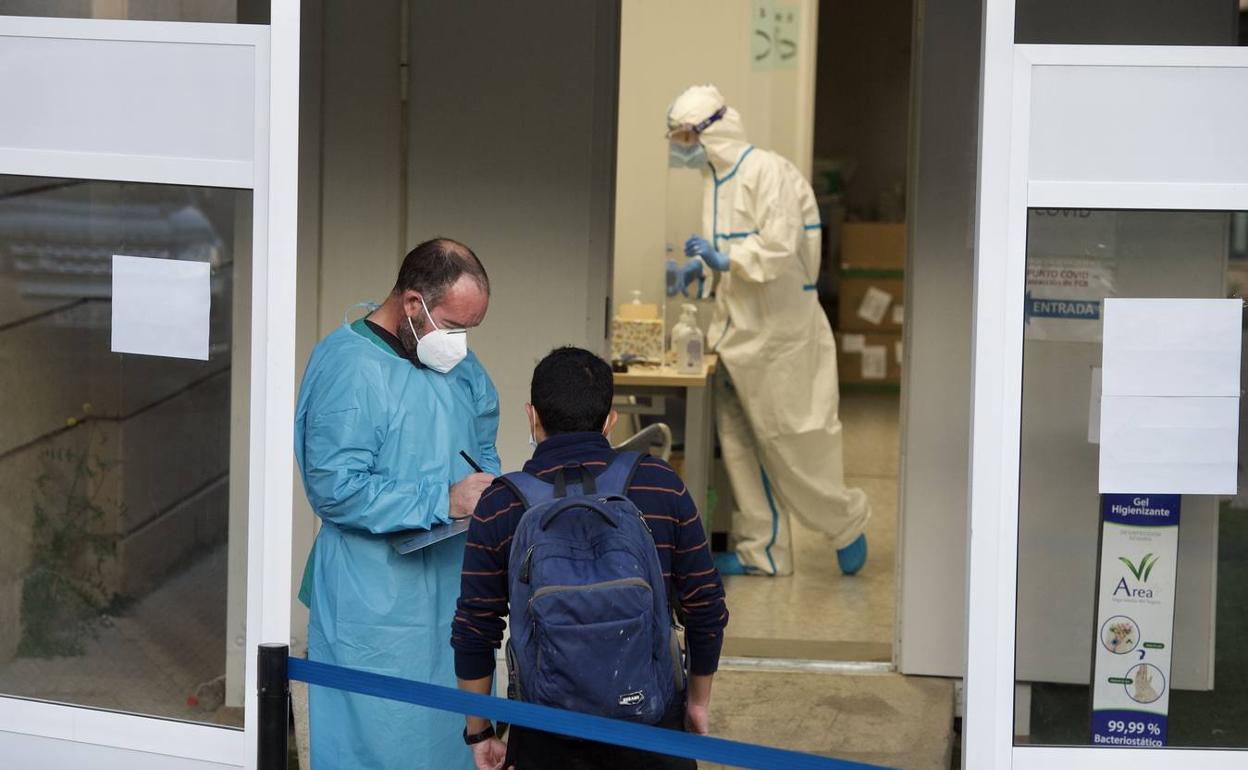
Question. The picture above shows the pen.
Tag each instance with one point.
(471, 462)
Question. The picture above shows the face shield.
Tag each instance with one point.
(684, 147)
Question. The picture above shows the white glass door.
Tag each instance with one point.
(147, 264)
(1105, 172)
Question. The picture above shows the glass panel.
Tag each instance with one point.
(222, 11)
(122, 476)
(1093, 597)
(1127, 22)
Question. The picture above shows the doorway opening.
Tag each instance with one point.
(827, 87)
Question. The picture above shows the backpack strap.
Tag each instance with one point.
(528, 489)
(614, 481)
(618, 476)
(586, 486)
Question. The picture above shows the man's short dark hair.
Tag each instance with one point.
(435, 265)
(571, 391)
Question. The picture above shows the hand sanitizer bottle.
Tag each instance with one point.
(687, 343)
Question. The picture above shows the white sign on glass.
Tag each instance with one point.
(1170, 396)
(161, 307)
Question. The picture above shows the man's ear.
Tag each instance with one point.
(612, 418)
(412, 306)
(535, 422)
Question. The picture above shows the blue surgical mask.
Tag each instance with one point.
(685, 155)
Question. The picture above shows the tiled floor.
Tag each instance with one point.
(884, 719)
(817, 612)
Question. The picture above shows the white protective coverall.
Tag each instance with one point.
(777, 409)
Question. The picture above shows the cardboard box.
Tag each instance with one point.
(873, 246)
(869, 359)
(871, 302)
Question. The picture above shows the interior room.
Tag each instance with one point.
(833, 97)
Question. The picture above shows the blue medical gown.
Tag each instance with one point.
(378, 444)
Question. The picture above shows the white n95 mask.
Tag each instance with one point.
(441, 349)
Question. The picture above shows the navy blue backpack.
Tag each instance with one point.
(591, 630)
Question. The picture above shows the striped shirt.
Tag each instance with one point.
(658, 493)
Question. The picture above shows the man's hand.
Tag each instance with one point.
(489, 754)
(698, 707)
(697, 719)
(467, 492)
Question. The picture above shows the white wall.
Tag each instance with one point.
(664, 48)
(511, 142)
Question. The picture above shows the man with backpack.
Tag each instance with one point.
(590, 551)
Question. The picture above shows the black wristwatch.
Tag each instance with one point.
(476, 738)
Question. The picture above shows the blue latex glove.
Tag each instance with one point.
(697, 246)
(680, 277)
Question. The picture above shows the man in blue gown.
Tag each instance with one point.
(387, 404)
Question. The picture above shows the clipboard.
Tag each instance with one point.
(415, 539)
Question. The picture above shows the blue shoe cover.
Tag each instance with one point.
(728, 563)
(852, 557)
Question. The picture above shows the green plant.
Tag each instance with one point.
(65, 595)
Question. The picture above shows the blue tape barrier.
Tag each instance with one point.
(570, 723)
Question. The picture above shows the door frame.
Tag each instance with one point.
(271, 174)
(1006, 189)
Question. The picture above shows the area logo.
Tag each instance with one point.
(1141, 571)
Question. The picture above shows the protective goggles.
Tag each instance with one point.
(687, 133)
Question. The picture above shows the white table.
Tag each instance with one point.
(664, 381)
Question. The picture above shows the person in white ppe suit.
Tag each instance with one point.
(777, 407)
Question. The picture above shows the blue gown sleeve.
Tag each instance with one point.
(487, 422)
(342, 439)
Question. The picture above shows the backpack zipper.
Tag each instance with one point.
(618, 583)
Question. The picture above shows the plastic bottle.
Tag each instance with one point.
(687, 342)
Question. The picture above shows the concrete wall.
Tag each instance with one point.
(664, 48)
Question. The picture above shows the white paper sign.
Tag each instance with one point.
(899, 314)
(161, 307)
(874, 305)
(852, 343)
(1172, 347)
(1170, 396)
(1135, 620)
(874, 362)
(1152, 444)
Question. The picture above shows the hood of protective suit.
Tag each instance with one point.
(724, 140)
